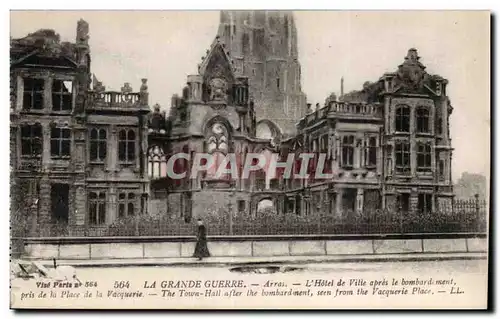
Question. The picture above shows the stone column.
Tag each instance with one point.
(47, 94)
(338, 203)
(413, 201)
(46, 147)
(112, 206)
(195, 84)
(359, 201)
(20, 93)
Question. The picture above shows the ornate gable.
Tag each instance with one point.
(411, 76)
(217, 72)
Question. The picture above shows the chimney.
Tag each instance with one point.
(341, 86)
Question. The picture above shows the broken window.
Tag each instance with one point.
(422, 120)
(31, 140)
(348, 151)
(62, 95)
(241, 206)
(403, 157)
(60, 142)
(98, 145)
(404, 202)
(126, 204)
(126, 146)
(33, 94)
(403, 119)
(97, 208)
(371, 152)
(425, 203)
(423, 157)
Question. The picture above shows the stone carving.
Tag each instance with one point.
(126, 88)
(144, 86)
(82, 32)
(218, 90)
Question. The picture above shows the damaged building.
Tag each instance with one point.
(87, 156)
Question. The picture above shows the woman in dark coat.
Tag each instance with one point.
(201, 249)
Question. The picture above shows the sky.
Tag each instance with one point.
(166, 46)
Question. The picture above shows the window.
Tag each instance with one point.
(403, 157)
(60, 142)
(440, 126)
(98, 145)
(278, 83)
(157, 162)
(371, 152)
(31, 140)
(62, 95)
(126, 146)
(33, 94)
(423, 157)
(126, 204)
(348, 151)
(422, 120)
(403, 119)
(425, 203)
(241, 206)
(97, 208)
(441, 169)
(404, 202)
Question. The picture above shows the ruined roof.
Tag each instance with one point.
(410, 77)
(45, 44)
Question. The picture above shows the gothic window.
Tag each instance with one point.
(422, 120)
(403, 119)
(126, 204)
(98, 145)
(60, 142)
(157, 162)
(126, 146)
(403, 157)
(33, 94)
(217, 145)
(423, 157)
(348, 151)
(97, 208)
(31, 140)
(61, 95)
(425, 203)
(278, 83)
(440, 126)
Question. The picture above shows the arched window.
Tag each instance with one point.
(98, 145)
(403, 119)
(217, 146)
(422, 114)
(126, 146)
(157, 162)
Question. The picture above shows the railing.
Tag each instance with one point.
(374, 110)
(270, 223)
(113, 99)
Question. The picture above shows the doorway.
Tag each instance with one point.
(59, 195)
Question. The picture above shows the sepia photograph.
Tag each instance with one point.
(249, 159)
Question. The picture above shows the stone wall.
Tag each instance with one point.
(247, 247)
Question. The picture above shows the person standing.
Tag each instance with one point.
(201, 249)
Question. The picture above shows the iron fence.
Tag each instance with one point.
(472, 218)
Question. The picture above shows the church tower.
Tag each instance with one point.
(263, 47)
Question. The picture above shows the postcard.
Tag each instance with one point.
(249, 159)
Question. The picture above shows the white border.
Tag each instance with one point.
(190, 5)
